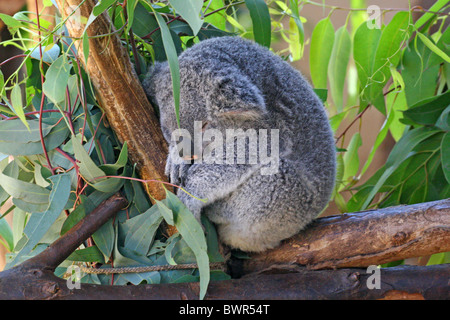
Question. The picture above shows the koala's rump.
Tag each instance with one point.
(267, 209)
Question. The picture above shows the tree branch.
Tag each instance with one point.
(370, 237)
(119, 93)
(364, 238)
(405, 282)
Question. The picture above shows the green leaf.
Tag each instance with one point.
(217, 19)
(379, 139)
(192, 234)
(40, 223)
(57, 79)
(89, 254)
(24, 191)
(190, 11)
(6, 233)
(173, 240)
(445, 150)
(365, 44)
(104, 239)
(322, 41)
(120, 162)
(165, 212)
(322, 94)
(49, 53)
(141, 231)
(351, 158)
(420, 79)
(17, 103)
(399, 153)
(74, 217)
(259, 13)
(14, 131)
(337, 68)
(131, 6)
(10, 22)
(396, 103)
(438, 5)
(298, 21)
(428, 111)
(387, 55)
(433, 47)
(172, 59)
(143, 22)
(85, 47)
(54, 139)
(88, 168)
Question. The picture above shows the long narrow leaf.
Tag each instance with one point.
(259, 13)
(322, 40)
(172, 59)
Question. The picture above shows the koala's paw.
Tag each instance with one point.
(176, 173)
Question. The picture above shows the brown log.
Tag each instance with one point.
(119, 92)
(34, 279)
(405, 282)
(364, 238)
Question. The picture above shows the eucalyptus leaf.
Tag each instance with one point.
(172, 59)
(192, 234)
(88, 168)
(15, 131)
(39, 223)
(259, 13)
(6, 234)
(49, 53)
(89, 254)
(337, 68)
(140, 236)
(57, 79)
(190, 11)
(445, 149)
(322, 41)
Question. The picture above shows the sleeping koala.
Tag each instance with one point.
(235, 94)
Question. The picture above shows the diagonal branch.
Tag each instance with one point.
(119, 92)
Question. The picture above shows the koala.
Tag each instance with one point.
(229, 84)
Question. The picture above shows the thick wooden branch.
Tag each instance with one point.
(119, 92)
(34, 279)
(364, 238)
(405, 282)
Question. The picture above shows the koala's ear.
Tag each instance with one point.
(234, 96)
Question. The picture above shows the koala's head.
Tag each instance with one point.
(217, 98)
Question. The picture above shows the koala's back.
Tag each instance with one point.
(263, 209)
(292, 106)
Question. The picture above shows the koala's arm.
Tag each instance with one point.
(212, 182)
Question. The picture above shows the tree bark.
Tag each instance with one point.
(283, 279)
(119, 92)
(364, 238)
(405, 282)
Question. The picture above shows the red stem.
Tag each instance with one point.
(43, 95)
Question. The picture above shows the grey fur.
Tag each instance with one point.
(234, 83)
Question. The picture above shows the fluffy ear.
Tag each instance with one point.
(234, 96)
